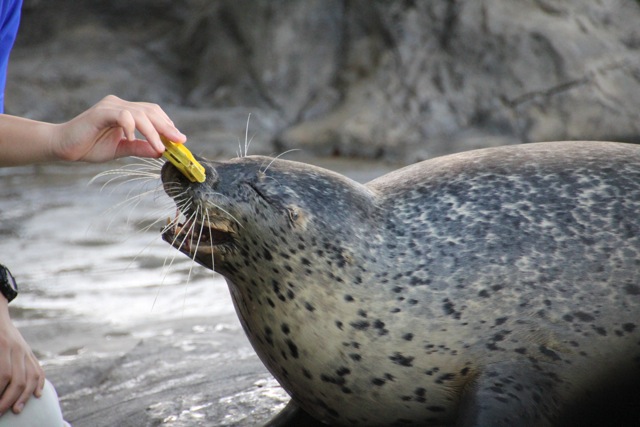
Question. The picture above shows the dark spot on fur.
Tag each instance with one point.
(448, 307)
(379, 325)
(549, 353)
(436, 408)
(583, 317)
(632, 289)
(285, 329)
(378, 381)
(400, 359)
(348, 298)
(293, 349)
(360, 325)
(600, 330)
(309, 307)
(484, 294)
(629, 327)
(408, 336)
(445, 377)
(342, 371)
(501, 320)
(333, 380)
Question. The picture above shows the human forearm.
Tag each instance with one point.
(24, 141)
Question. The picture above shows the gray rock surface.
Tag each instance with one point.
(401, 81)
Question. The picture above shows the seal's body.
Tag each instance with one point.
(493, 287)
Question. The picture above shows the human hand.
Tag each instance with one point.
(20, 372)
(106, 131)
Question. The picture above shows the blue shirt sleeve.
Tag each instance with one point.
(9, 22)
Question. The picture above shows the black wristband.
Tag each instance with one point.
(8, 285)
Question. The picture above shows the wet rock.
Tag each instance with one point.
(190, 377)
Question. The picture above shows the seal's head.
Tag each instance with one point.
(255, 209)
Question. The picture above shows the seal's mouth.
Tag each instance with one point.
(195, 235)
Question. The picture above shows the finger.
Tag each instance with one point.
(31, 385)
(147, 129)
(137, 148)
(5, 379)
(158, 118)
(128, 124)
(38, 374)
(41, 381)
(16, 386)
(163, 124)
(143, 113)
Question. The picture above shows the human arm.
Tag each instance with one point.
(104, 132)
(20, 372)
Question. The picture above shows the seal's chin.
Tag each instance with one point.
(195, 238)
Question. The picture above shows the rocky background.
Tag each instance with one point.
(393, 80)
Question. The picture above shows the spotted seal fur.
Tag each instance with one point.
(496, 287)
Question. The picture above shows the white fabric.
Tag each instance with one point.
(38, 412)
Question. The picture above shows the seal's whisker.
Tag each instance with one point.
(247, 141)
(132, 169)
(189, 221)
(154, 223)
(215, 205)
(277, 157)
(210, 242)
(151, 162)
(130, 178)
(197, 213)
(143, 169)
(172, 223)
(131, 201)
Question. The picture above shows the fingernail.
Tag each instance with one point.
(20, 407)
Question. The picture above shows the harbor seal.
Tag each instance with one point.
(496, 287)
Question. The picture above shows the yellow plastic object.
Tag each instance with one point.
(182, 158)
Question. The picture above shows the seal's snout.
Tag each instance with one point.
(211, 174)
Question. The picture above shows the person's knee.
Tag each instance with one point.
(38, 412)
